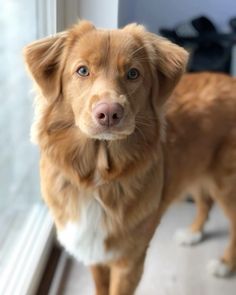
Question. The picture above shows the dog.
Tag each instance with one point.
(114, 151)
(99, 125)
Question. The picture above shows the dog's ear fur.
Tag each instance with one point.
(167, 60)
(45, 63)
(45, 59)
(170, 63)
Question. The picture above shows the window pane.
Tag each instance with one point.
(19, 184)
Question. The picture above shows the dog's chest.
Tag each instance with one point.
(85, 239)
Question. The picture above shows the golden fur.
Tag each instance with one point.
(200, 149)
(133, 171)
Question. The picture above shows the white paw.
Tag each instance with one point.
(185, 237)
(218, 268)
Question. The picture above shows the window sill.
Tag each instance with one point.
(26, 264)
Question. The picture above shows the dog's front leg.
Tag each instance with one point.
(101, 276)
(125, 276)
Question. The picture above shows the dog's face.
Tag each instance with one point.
(110, 80)
(104, 81)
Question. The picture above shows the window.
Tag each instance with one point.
(25, 226)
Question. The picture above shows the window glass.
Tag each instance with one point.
(19, 180)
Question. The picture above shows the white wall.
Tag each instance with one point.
(103, 13)
(167, 13)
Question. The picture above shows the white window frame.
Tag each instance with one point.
(26, 264)
(46, 14)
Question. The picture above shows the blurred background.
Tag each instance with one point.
(30, 261)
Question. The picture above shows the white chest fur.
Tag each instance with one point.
(85, 239)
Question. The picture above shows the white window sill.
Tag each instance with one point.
(25, 266)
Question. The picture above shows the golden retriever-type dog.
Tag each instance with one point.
(110, 165)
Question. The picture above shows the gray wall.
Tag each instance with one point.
(167, 13)
(153, 13)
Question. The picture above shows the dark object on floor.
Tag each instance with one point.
(211, 56)
(210, 49)
(203, 25)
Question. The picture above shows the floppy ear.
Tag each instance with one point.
(45, 61)
(46, 58)
(167, 60)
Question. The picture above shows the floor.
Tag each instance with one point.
(170, 269)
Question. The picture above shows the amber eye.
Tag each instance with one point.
(83, 71)
(132, 74)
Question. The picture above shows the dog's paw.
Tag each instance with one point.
(185, 237)
(218, 268)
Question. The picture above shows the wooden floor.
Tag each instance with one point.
(169, 269)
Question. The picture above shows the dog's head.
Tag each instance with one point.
(107, 81)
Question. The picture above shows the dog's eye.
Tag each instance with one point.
(132, 74)
(83, 71)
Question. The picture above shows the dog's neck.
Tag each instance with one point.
(102, 165)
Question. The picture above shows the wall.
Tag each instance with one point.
(167, 13)
(103, 13)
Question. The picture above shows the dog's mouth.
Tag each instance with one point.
(108, 133)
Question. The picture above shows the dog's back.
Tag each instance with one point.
(201, 126)
(200, 150)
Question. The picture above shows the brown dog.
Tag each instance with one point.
(99, 126)
(106, 173)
